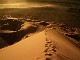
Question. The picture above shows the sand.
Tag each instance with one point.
(46, 45)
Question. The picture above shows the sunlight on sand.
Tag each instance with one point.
(48, 44)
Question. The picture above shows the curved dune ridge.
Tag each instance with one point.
(12, 30)
(46, 45)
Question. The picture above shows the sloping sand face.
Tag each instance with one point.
(65, 49)
(46, 45)
(31, 48)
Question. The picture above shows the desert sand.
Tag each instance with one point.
(49, 44)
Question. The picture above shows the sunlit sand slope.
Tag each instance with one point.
(46, 45)
(61, 46)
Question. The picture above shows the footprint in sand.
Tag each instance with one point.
(48, 59)
(50, 48)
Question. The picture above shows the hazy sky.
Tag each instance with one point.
(27, 4)
(19, 1)
(55, 0)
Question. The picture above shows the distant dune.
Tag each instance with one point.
(66, 13)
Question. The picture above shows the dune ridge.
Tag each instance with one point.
(46, 45)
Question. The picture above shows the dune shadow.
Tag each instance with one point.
(11, 33)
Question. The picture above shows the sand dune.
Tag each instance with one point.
(46, 45)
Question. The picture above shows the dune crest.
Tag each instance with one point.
(46, 45)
